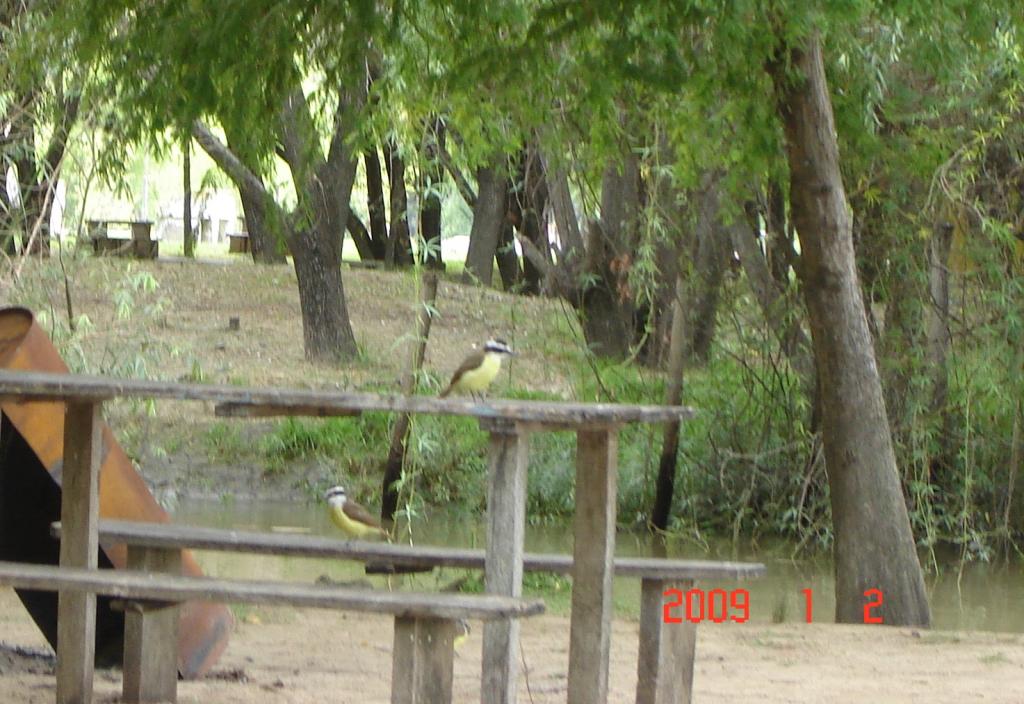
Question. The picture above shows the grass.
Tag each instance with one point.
(995, 659)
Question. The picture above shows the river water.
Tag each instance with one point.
(980, 596)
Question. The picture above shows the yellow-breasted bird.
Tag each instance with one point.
(352, 518)
(461, 632)
(478, 370)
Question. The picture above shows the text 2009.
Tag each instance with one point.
(716, 605)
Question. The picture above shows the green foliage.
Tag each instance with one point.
(299, 438)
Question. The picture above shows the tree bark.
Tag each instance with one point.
(461, 184)
(187, 235)
(533, 205)
(565, 214)
(874, 546)
(45, 189)
(606, 316)
(267, 239)
(399, 248)
(37, 173)
(779, 249)
(378, 235)
(488, 220)
(667, 218)
(265, 246)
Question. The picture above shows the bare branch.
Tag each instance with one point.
(557, 276)
(243, 177)
(465, 190)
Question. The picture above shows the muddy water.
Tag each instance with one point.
(981, 596)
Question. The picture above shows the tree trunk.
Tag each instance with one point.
(488, 220)
(6, 226)
(898, 340)
(673, 239)
(188, 236)
(431, 178)
(22, 138)
(779, 250)
(665, 487)
(937, 318)
(43, 189)
(508, 260)
(323, 189)
(1010, 506)
(267, 247)
(399, 249)
(709, 266)
(461, 184)
(532, 207)
(565, 215)
(360, 236)
(605, 303)
(326, 332)
(375, 204)
(874, 547)
(605, 315)
(267, 239)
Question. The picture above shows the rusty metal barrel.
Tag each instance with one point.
(31, 458)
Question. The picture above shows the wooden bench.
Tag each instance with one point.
(425, 623)
(666, 651)
(140, 245)
(509, 424)
(238, 243)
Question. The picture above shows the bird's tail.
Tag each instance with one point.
(446, 391)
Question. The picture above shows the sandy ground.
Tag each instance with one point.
(280, 655)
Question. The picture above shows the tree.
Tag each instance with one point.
(718, 71)
(489, 217)
(37, 98)
(874, 547)
(177, 66)
(313, 230)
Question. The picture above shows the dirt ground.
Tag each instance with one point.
(285, 656)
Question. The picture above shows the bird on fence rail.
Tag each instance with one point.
(461, 632)
(352, 518)
(478, 370)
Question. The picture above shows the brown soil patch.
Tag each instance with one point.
(181, 328)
